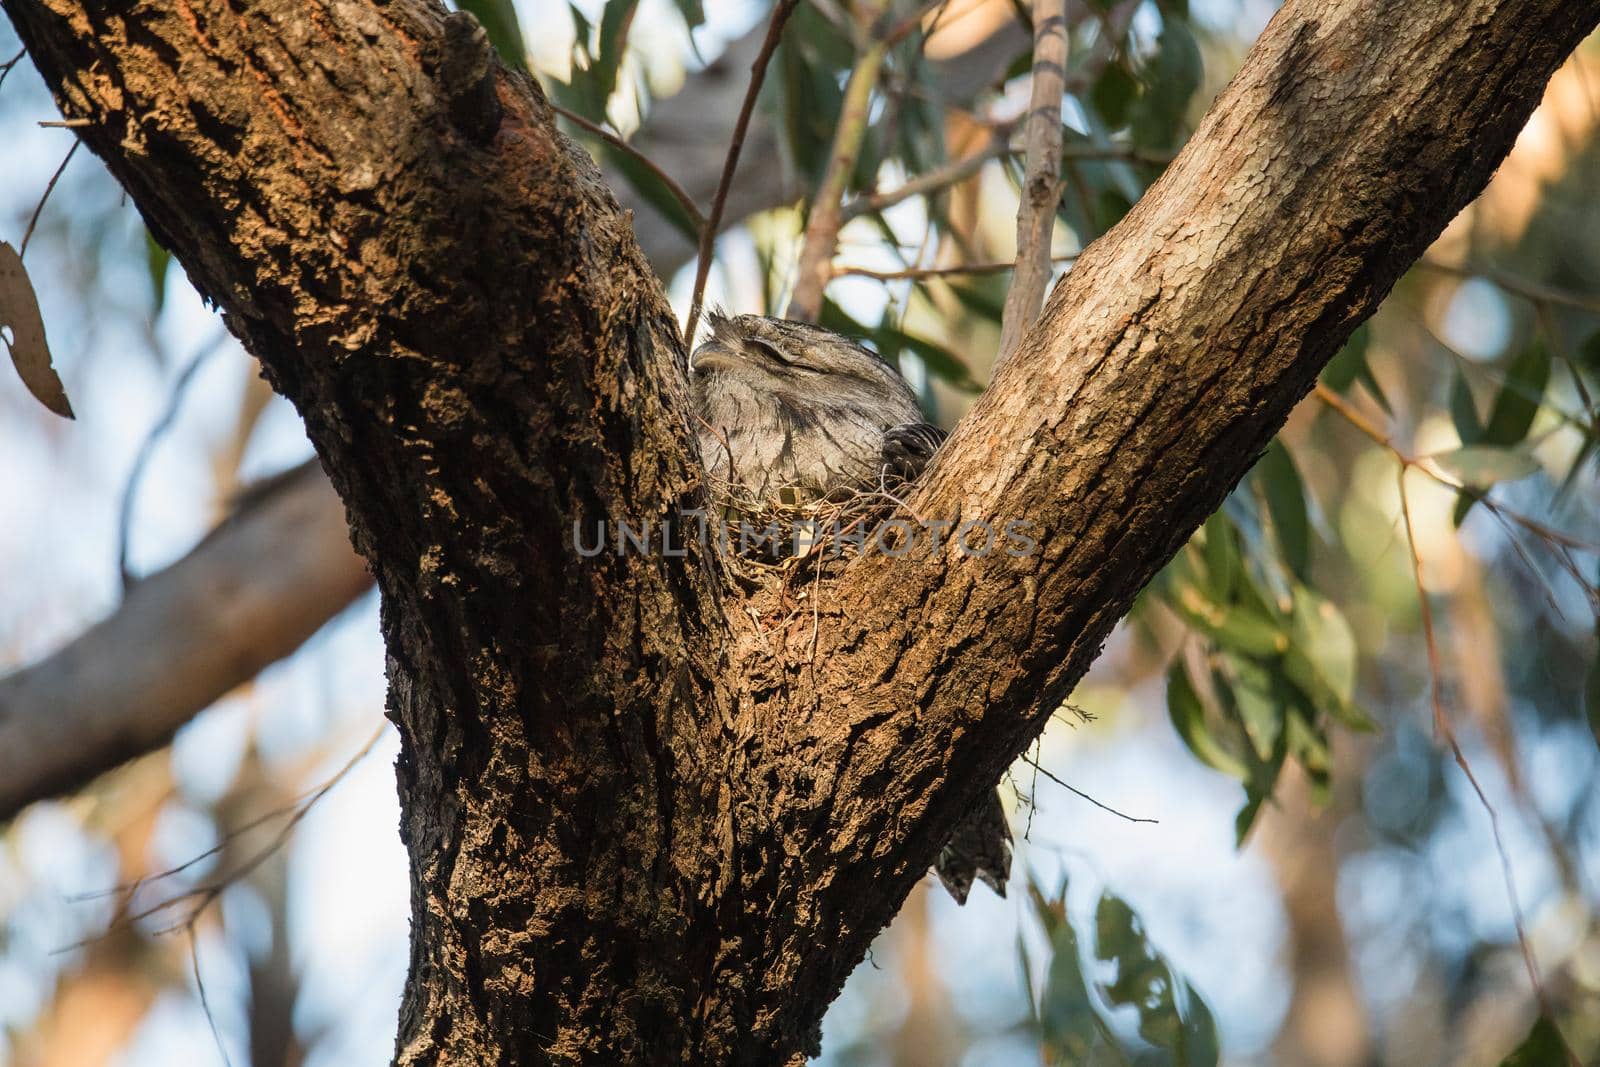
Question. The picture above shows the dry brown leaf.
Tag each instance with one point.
(19, 313)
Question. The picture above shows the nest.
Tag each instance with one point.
(762, 538)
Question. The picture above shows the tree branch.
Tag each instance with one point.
(687, 131)
(248, 595)
(1161, 367)
(645, 827)
(1041, 183)
(822, 231)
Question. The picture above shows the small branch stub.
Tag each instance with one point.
(466, 73)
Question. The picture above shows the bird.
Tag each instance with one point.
(789, 411)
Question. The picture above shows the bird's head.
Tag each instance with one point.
(798, 362)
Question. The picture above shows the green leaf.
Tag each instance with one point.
(1512, 415)
(1481, 466)
(1464, 411)
(1260, 696)
(1188, 716)
(1199, 1044)
(156, 262)
(1518, 402)
(1308, 745)
(812, 63)
(1171, 1016)
(693, 12)
(499, 20)
(1113, 95)
(1286, 504)
(614, 23)
(1320, 626)
(1223, 565)
(942, 363)
(1258, 786)
(648, 184)
(1543, 1047)
(1235, 627)
(980, 300)
(1322, 657)
(1109, 207)
(1170, 78)
(1350, 366)
(1069, 1027)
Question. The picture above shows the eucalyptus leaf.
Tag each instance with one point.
(30, 352)
(156, 262)
(1169, 80)
(1543, 1047)
(1464, 410)
(1518, 401)
(1188, 715)
(1286, 504)
(1350, 366)
(615, 20)
(1482, 466)
(1069, 1028)
(1233, 626)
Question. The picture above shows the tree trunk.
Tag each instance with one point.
(655, 816)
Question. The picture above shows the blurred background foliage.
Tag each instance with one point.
(1401, 592)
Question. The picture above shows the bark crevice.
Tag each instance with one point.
(654, 816)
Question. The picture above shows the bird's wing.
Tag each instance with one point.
(907, 448)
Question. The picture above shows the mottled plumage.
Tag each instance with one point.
(789, 409)
(791, 406)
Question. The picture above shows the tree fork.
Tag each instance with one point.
(642, 827)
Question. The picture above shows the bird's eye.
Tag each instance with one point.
(770, 350)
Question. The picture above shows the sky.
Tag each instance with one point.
(1213, 908)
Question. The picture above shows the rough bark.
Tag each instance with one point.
(652, 816)
(149, 680)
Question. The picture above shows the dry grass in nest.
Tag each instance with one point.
(813, 535)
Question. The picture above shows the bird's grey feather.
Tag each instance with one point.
(787, 407)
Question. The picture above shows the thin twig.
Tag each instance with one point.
(48, 189)
(708, 233)
(65, 124)
(937, 272)
(207, 894)
(205, 1004)
(147, 447)
(678, 192)
(827, 209)
(1558, 344)
(1428, 466)
(1523, 287)
(5, 68)
(1442, 725)
(1030, 761)
(960, 170)
(1041, 186)
(935, 180)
